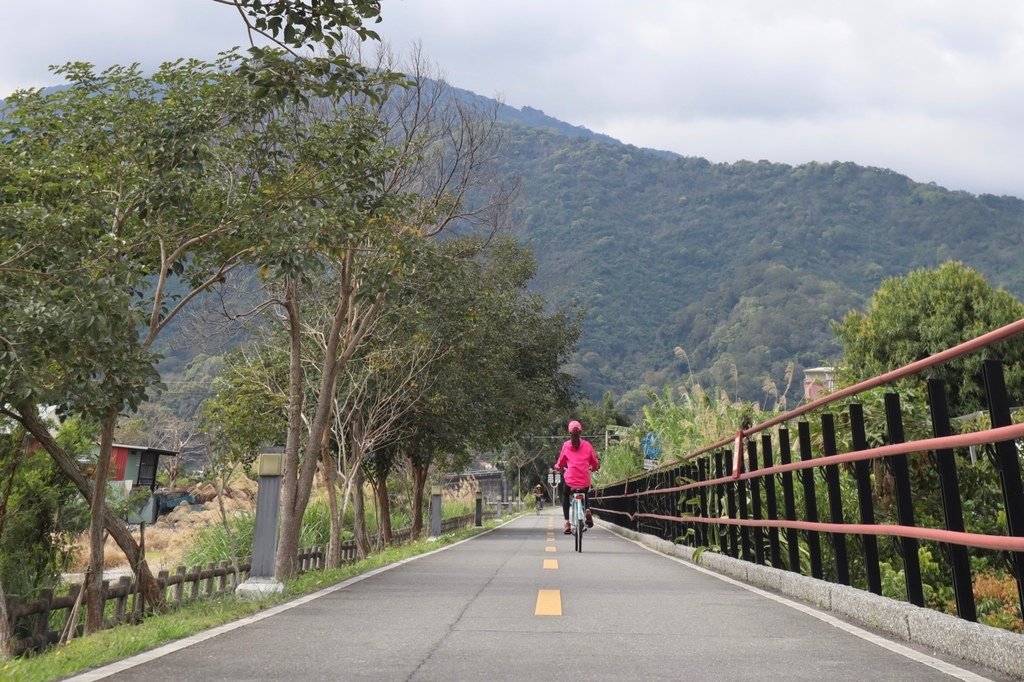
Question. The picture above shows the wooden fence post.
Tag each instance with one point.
(43, 619)
(123, 584)
(194, 579)
(179, 588)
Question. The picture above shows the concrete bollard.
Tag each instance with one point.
(435, 511)
(261, 581)
(478, 521)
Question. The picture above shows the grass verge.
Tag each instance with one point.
(120, 642)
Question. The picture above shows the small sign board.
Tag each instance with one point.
(650, 464)
(650, 446)
(554, 478)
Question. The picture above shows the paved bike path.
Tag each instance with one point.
(470, 612)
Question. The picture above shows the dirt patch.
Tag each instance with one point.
(172, 535)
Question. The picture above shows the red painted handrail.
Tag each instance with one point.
(997, 542)
(1003, 433)
(1001, 334)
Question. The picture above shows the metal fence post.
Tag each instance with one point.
(705, 512)
(952, 509)
(789, 503)
(730, 505)
(862, 469)
(1007, 462)
(770, 501)
(722, 532)
(835, 499)
(755, 503)
(904, 501)
(741, 509)
(803, 432)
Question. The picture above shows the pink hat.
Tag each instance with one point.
(575, 426)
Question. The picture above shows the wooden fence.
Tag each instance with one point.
(40, 623)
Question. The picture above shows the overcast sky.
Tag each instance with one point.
(930, 88)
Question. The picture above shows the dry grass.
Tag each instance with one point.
(996, 598)
(463, 496)
(169, 538)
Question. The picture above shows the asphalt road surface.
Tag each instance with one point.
(518, 603)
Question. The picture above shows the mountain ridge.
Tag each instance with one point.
(722, 260)
(724, 273)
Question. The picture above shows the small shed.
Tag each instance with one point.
(134, 467)
(492, 483)
(818, 380)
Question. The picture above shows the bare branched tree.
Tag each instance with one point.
(441, 159)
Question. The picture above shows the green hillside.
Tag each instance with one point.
(739, 265)
(742, 263)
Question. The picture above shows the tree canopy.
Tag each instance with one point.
(927, 311)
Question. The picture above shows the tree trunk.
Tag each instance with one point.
(299, 485)
(288, 542)
(419, 482)
(221, 484)
(330, 478)
(384, 499)
(5, 630)
(336, 355)
(94, 588)
(362, 538)
(28, 417)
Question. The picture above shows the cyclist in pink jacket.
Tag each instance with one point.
(578, 460)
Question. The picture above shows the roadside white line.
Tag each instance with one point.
(177, 645)
(940, 665)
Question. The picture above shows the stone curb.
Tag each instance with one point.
(991, 647)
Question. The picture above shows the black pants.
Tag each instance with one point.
(567, 493)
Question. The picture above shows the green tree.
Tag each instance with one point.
(365, 183)
(500, 373)
(41, 513)
(927, 311)
(133, 173)
(146, 180)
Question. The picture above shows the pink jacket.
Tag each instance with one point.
(578, 463)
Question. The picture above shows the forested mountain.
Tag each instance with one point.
(739, 265)
(736, 264)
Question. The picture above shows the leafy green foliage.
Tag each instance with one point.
(248, 410)
(216, 543)
(927, 311)
(40, 512)
(619, 462)
(124, 168)
(499, 370)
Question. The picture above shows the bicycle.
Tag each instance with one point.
(577, 515)
(538, 503)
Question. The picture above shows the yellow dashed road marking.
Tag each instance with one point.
(551, 563)
(549, 548)
(549, 603)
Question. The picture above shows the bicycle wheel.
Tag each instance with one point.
(579, 535)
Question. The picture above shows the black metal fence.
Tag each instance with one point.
(781, 494)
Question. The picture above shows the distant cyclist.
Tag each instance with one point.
(538, 496)
(578, 460)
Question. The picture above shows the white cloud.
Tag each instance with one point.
(923, 148)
